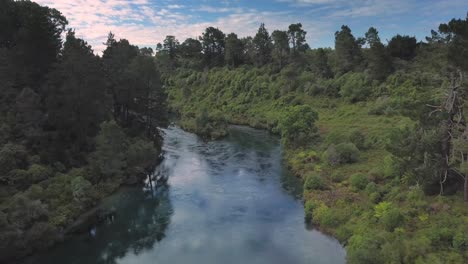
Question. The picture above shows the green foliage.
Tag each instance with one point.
(141, 156)
(309, 208)
(314, 182)
(358, 139)
(297, 126)
(355, 87)
(358, 181)
(348, 53)
(81, 190)
(364, 249)
(108, 160)
(341, 154)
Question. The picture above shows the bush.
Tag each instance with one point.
(355, 87)
(342, 153)
(337, 176)
(314, 182)
(392, 219)
(364, 249)
(359, 181)
(297, 126)
(12, 156)
(358, 138)
(309, 208)
(37, 173)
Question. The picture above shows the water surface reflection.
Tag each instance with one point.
(229, 201)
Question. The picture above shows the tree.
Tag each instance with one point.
(213, 47)
(263, 46)
(170, 46)
(297, 37)
(147, 52)
(348, 53)
(380, 65)
(249, 50)
(32, 34)
(108, 160)
(190, 49)
(234, 50)
(403, 47)
(147, 105)
(320, 64)
(76, 99)
(280, 47)
(116, 58)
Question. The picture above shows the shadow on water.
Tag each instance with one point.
(140, 222)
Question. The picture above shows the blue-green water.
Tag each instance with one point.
(228, 201)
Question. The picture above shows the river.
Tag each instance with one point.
(227, 201)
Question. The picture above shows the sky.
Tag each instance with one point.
(147, 22)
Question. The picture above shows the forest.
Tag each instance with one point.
(73, 126)
(376, 131)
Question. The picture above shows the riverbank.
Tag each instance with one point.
(353, 187)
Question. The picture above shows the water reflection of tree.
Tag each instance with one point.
(141, 220)
(144, 224)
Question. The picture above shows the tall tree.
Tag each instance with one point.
(380, 64)
(76, 99)
(403, 47)
(348, 52)
(297, 37)
(263, 46)
(116, 58)
(32, 34)
(213, 47)
(234, 50)
(280, 47)
(320, 64)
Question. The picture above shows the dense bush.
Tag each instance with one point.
(297, 126)
(358, 181)
(358, 139)
(355, 87)
(342, 153)
(314, 182)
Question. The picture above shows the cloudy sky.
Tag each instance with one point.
(147, 22)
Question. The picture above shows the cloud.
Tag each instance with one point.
(145, 23)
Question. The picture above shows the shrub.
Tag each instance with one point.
(342, 153)
(355, 87)
(309, 208)
(297, 125)
(359, 181)
(337, 176)
(314, 182)
(358, 138)
(391, 167)
(37, 173)
(392, 219)
(12, 156)
(363, 249)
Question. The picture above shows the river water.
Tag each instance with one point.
(228, 201)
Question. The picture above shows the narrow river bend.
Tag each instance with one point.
(228, 201)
